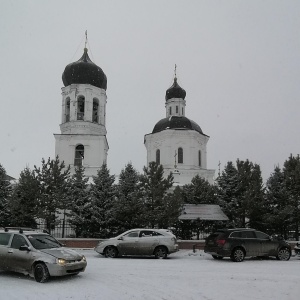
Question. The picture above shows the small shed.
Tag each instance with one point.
(211, 212)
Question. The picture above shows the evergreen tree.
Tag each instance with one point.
(53, 187)
(23, 203)
(128, 206)
(154, 188)
(291, 171)
(199, 191)
(102, 211)
(241, 194)
(279, 212)
(80, 204)
(5, 193)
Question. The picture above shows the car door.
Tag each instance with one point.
(19, 260)
(129, 243)
(268, 246)
(251, 243)
(148, 240)
(5, 238)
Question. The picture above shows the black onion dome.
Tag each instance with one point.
(84, 71)
(176, 122)
(175, 91)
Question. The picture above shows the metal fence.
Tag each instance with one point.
(62, 229)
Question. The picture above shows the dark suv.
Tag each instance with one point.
(237, 243)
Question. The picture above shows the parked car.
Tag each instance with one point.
(157, 242)
(297, 249)
(37, 254)
(237, 243)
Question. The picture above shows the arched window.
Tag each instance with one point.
(67, 110)
(199, 158)
(170, 110)
(180, 155)
(158, 156)
(95, 111)
(80, 108)
(79, 155)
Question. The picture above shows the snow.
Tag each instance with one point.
(184, 275)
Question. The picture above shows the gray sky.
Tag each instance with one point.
(239, 62)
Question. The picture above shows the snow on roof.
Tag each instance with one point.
(203, 212)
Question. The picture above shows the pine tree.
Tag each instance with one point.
(24, 199)
(154, 189)
(52, 178)
(102, 211)
(291, 173)
(5, 193)
(128, 206)
(279, 211)
(80, 202)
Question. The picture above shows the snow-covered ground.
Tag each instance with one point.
(184, 275)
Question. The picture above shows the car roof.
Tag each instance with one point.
(234, 229)
(24, 230)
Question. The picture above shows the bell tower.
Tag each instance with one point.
(82, 141)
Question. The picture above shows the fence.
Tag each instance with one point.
(63, 229)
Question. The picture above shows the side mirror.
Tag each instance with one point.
(25, 248)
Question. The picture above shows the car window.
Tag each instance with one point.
(18, 241)
(261, 235)
(4, 238)
(43, 241)
(248, 234)
(146, 233)
(132, 234)
(236, 234)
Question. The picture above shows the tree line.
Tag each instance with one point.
(102, 207)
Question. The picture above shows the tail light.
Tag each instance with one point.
(221, 242)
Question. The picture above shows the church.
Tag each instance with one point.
(176, 142)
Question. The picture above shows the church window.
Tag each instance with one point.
(80, 108)
(176, 109)
(182, 111)
(67, 110)
(170, 110)
(199, 158)
(95, 111)
(79, 155)
(180, 155)
(158, 156)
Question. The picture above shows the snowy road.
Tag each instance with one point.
(184, 275)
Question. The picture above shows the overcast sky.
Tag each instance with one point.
(239, 62)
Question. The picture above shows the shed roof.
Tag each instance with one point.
(211, 212)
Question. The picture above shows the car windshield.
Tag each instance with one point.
(43, 241)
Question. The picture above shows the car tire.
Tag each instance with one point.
(237, 255)
(41, 273)
(284, 254)
(217, 257)
(161, 252)
(111, 252)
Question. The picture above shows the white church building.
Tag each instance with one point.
(82, 141)
(176, 142)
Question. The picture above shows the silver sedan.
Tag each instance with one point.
(157, 242)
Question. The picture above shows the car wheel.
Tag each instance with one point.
(111, 252)
(283, 254)
(217, 257)
(161, 252)
(237, 255)
(41, 273)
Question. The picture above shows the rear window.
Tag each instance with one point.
(248, 234)
(4, 238)
(217, 234)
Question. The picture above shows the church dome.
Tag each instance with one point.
(84, 71)
(175, 91)
(176, 122)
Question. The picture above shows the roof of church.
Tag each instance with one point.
(84, 71)
(175, 91)
(176, 122)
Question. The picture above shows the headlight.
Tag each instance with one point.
(83, 258)
(61, 261)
